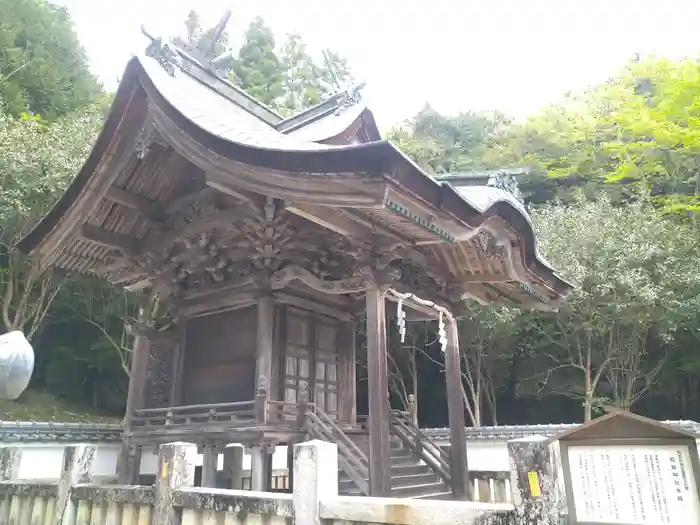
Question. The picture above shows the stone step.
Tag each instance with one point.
(414, 479)
(399, 453)
(438, 495)
(396, 471)
(412, 491)
(404, 460)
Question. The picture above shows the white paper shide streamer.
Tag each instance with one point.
(401, 320)
(442, 333)
(16, 364)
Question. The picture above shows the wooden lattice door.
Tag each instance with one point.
(326, 366)
(297, 353)
(311, 359)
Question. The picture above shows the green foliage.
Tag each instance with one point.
(287, 78)
(258, 69)
(637, 285)
(442, 144)
(306, 83)
(43, 68)
(609, 166)
(37, 161)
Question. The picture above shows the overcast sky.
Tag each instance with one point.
(511, 55)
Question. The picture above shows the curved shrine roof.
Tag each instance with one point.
(234, 146)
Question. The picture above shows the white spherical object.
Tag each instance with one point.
(16, 364)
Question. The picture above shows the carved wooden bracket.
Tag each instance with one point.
(354, 284)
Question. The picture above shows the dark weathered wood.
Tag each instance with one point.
(379, 450)
(265, 331)
(219, 358)
(137, 375)
(261, 401)
(150, 209)
(351, 459)
(260, 460)
(345, 342)
(313, 305)
(124, 243)
(455, 408)
(290, 273)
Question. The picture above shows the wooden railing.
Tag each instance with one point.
(230, 415)
(426, 449)
(240, 414)
(351, 459)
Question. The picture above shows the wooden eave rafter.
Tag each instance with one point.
(355, 178)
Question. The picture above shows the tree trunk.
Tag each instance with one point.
(587, 393)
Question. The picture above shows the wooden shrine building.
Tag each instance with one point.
(268, 239)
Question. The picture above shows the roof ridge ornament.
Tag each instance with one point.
(350, 94)
(164, 53)
(506, 182)
(170, 54)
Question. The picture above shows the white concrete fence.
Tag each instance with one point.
(77, 500)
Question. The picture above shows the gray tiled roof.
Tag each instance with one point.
(329, 125)
(206, 108)
(502, 432)
(47, 432)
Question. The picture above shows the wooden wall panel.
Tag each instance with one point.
(219, 360)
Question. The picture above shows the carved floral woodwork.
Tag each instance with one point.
(205, 240)
(159, 373)
(489, 246)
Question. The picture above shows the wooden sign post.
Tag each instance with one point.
(623, 469)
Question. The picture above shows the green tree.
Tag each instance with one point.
(638, 283)
(258, 69)
(37, 161)
(202, 39)
(43, 68)
(441, 144)
(306, 83)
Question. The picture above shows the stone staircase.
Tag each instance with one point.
(410, 477)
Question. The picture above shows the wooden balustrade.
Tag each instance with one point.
(351, 458)
(425, 448)
(238, 414)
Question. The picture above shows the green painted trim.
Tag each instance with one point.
(405, 212)
(530, 290)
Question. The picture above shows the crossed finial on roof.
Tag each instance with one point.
(351, 93)
(169, 56)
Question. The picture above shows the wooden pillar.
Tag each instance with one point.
(378, 386)
(290, 466)
(352, 373)
(264, 354)
(459, 470)
(347, 397)
(210, 460)
(130, 457)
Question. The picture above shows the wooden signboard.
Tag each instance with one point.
(623, 469)
(633, 484)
